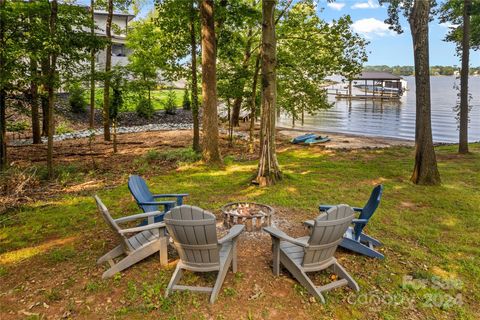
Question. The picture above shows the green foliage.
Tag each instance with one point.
(144, 108)
(17, 126)
(451, 13)
(170, 106)
(230, 292)
(306, 42)
(186, 104)
(76, 99)
(62, 128)
(53, 295)
(116, 101)
(177, 155)
(62, 254)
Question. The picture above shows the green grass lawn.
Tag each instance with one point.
(159, 97)
(430, 234)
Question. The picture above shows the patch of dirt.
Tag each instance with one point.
(345, 141)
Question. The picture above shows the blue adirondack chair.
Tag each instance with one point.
(355, 239)
(147, 201)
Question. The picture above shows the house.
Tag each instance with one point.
(119, 35)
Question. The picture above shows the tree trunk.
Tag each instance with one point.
(108, 67)
(51, 86)
(253, 109)
(3, 96)
(44, 65)
(237, 103)
(463, 139)
(114, 124)
(33, 92)
(268, 168)
(194, 91)
(425, 170)
(92, 69)
(211, 152)
(44, 105)
(36, 134)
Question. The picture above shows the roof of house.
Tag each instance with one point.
(118, 14)
(377, 76)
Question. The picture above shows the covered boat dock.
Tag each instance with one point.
(373, 85)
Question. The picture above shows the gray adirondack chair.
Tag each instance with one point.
(147, 240)
(194, 235)
(314, 252)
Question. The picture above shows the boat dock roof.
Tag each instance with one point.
(377, 76)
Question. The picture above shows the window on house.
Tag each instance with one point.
(118, 50)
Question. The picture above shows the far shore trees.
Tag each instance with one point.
(418, 14)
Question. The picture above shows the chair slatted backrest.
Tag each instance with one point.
(113, 225)
(327, 234)
(139, 190)
(369, 209)
(195, 236)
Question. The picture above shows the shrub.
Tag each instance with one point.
(63, 128)
(145, 108)
(77, 98)
(186, 104)
(17, 126)
(170, 107)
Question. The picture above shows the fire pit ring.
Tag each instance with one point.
(253, 215)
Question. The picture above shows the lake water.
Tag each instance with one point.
(397, 119)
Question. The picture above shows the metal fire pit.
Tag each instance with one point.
(253, 215)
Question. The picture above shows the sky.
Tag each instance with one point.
(386, 47)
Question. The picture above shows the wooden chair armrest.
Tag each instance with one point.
(309, 223)
(138, 216)
(324, 207)
(158, 225)
(360, 221)
(179, 197)
(234, 232)
(171, 195)
(279, 234)
(157, 203)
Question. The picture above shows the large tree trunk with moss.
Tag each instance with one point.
(3, 96)
(425, 170)
(194, 91)
(108, 67)
(51, 89)
(463, 138)
(92, 68)
(211, 152)
(268, 169)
